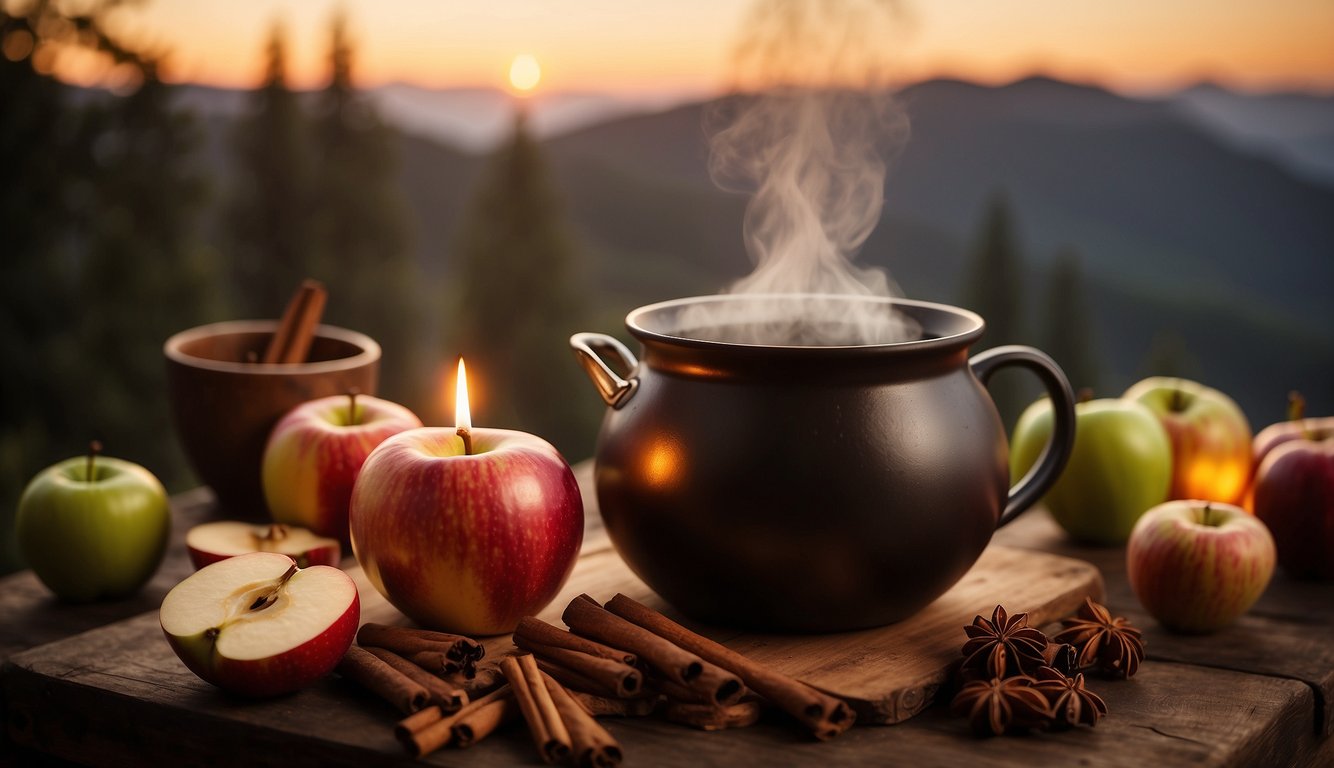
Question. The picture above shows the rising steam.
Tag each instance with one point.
(808, 134)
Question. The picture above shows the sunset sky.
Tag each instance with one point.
(683, 45)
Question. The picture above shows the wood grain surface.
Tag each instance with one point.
(1256, 693)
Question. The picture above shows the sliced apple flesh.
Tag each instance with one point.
(256, 624)
(210, 542)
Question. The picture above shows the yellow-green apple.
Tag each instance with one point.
(93, 527)
(314, 454)
(1211, 439)
(257, 625)
(1293, 493)
(210, 542)
(1120, 466)
(1197, 565)
(467, 541)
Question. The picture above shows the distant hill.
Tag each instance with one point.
(1297, 129)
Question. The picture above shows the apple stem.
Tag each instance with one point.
(1084, 395)
(94, 448)
(352, 405)
(466, 434)
(1178, 403)
(1296, 406)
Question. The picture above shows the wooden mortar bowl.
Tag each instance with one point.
(224, 407)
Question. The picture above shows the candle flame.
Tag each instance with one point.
(462, 416)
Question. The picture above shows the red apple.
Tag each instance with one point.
(1294, 493)
(1211, 439)
(257, 625)
(1197, 565)
(315, 452)
(467, 543)
(210, 542)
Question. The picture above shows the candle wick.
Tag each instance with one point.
(464, 433)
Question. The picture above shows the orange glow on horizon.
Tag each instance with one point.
(685, 46)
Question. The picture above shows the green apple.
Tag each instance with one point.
(93, 527)
(1121, 466)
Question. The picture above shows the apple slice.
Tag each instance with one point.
(257, 625)
(210, 542)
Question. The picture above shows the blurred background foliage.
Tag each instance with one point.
(1112, 232)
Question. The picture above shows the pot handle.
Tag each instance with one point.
(615, 391)
(1054, 456)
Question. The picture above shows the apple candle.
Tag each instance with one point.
(466, 529)
(462, 414)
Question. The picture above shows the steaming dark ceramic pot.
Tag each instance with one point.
(791, 487)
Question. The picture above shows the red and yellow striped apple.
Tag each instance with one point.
(467, 542)
(1211, 439)
(257, 625)
(1198, 565)
(315, 452)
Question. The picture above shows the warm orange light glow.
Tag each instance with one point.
(525, 72)
(462, 416)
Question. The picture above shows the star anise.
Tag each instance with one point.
(1072, 703)
(1003, 646)
(1111, 644)
(1002, 704)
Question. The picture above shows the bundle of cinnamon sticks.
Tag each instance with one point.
(435, 679)
(625, 651)
(620, 659)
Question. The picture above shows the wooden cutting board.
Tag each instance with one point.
(887, 674)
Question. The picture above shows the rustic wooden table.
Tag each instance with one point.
(1258, 693)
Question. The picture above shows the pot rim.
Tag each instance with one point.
(368, 350)
(917, 309)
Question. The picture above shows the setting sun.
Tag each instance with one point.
(525, 72)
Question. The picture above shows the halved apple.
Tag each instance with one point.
(257, 625)
(210, 542)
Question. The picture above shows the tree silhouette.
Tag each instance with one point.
(517, 303)
(1068, 333)
(270, 220)
(993, 289)
(99, 205)
(361, 228)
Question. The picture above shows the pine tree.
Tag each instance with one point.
(99, 205)
(993, 289)
(362, 231)
(1068, 335)
(518, 303)
(270, 218)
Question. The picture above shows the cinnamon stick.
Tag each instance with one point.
(590, 743)
(573, 680)
(407, 641)
(825, 715)
(485, 678)
(291, 342)
(482, 721)
(447, 697)
(544, 722)
(440, 663)
(422, 734)
(537, 632)
(671, 661)
(380, 678)
(622, 680)
(602, 706)
(707, 717)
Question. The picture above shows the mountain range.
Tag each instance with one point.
(1204, 220)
